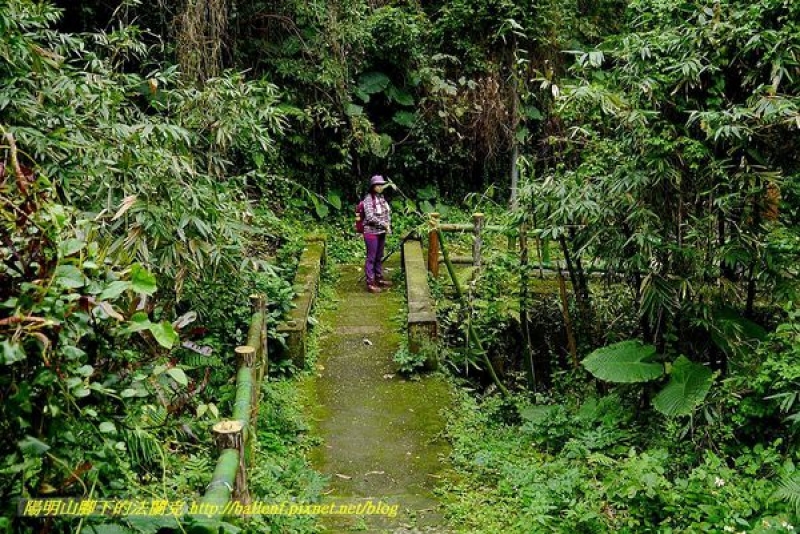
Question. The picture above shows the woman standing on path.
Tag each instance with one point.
(377, 224)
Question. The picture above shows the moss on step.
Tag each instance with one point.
(381, 434)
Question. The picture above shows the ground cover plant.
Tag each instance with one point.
(626, 356)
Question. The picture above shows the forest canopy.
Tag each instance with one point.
(162, 161)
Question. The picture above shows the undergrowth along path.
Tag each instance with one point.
(382, 435)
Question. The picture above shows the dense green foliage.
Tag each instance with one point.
(162, 161)
(124, 235)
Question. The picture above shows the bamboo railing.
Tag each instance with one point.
(476, 227)
(235, 437)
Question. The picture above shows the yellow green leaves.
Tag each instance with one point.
(162, 332)
(142, 281)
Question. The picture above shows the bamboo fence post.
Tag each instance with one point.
(477, 221)
(259, 304)
(562, 288)
(245, 355)
(471, 329)
(259, 340)
(539, 256)
(530, 368)
(230, 435)
(433, 246)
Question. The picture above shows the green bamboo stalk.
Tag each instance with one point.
(231, 461)
(244, 395)
(472, 333)
(254, 333)
(224, 477)
(221, 486)
(256, 338)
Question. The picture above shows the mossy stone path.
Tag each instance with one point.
(381, 434)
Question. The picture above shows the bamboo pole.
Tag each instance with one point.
(220, 488)
(471, 330)
(433, 246)
(477, 242)
(470, 227)
(244, 391)
(562, 289)
(257, 337)
(243, 403)
(254, 333)
(456, 227)
(234, 438)
(458, 259)
(530, 368)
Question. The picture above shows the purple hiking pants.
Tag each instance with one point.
(373, 269)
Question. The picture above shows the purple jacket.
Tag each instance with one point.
(377, 214)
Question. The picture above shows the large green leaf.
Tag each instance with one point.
(11, 352)
(688, 386)
(373, 82)
(70, 246)
(142, 280)
(624, 362)
(335, 200)
(353, 110)
(400, 96)
(33, 446)
(379, 145)
(114, 289)
(138, 322)
(164, 334)
(178, 375)
(69, 276)
(404, 118)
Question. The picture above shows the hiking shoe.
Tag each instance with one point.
(373, 289)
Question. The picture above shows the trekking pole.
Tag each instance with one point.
(398, 246)
(391, 252)
(415, 211)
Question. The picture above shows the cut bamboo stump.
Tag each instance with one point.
(230, 435)
(245, 355)
(422, 326)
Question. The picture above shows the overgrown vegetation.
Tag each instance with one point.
(162, 161)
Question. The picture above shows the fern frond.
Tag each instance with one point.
(154, 416)
(142, 446)
(201, 360)
(789, 490)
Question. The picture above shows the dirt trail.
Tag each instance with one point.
(382, 434)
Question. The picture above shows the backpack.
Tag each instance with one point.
(360, 216)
